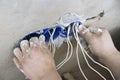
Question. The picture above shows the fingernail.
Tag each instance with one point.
(15, 51)
(24, 43)
(42, 38)
(80, 28)
(33, 44)
(34, 41)
(85, 31)
(100, 30)
(42, 41)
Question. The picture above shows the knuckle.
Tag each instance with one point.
(104, 29)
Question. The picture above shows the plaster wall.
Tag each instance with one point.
(19, 17)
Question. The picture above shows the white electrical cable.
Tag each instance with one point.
(100, 65)
(67, 55)
(70, 48)
(51, 42)
(77, 56)
(67, 59)
(82, 49)
(49, 45)
(70, 52)
(85, 52)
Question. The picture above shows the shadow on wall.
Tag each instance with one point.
(116, 37)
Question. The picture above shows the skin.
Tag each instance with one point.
(36, 62)
(102, 46)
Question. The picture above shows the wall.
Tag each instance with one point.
(19, 17)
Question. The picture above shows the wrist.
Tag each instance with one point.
(109, 55)
(112, 62)
(54, 75)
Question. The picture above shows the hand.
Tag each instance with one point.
(99, 43)
(35, 61)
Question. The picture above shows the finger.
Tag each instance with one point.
(105, 32)
(42, 41)
(86, 34)
(18, 54)
(24, 45)
(100, 31)
(90, 48)
(104, 29)
(34, 42)
(17, 63)
(95, 30)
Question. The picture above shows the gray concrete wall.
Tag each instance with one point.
(19, 17)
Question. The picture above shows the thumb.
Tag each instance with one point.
(86, 34)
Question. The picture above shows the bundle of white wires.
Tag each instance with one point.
(69, 53)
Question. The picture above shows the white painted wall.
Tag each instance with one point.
(19, 17)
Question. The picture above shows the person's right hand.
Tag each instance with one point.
(100, 44)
